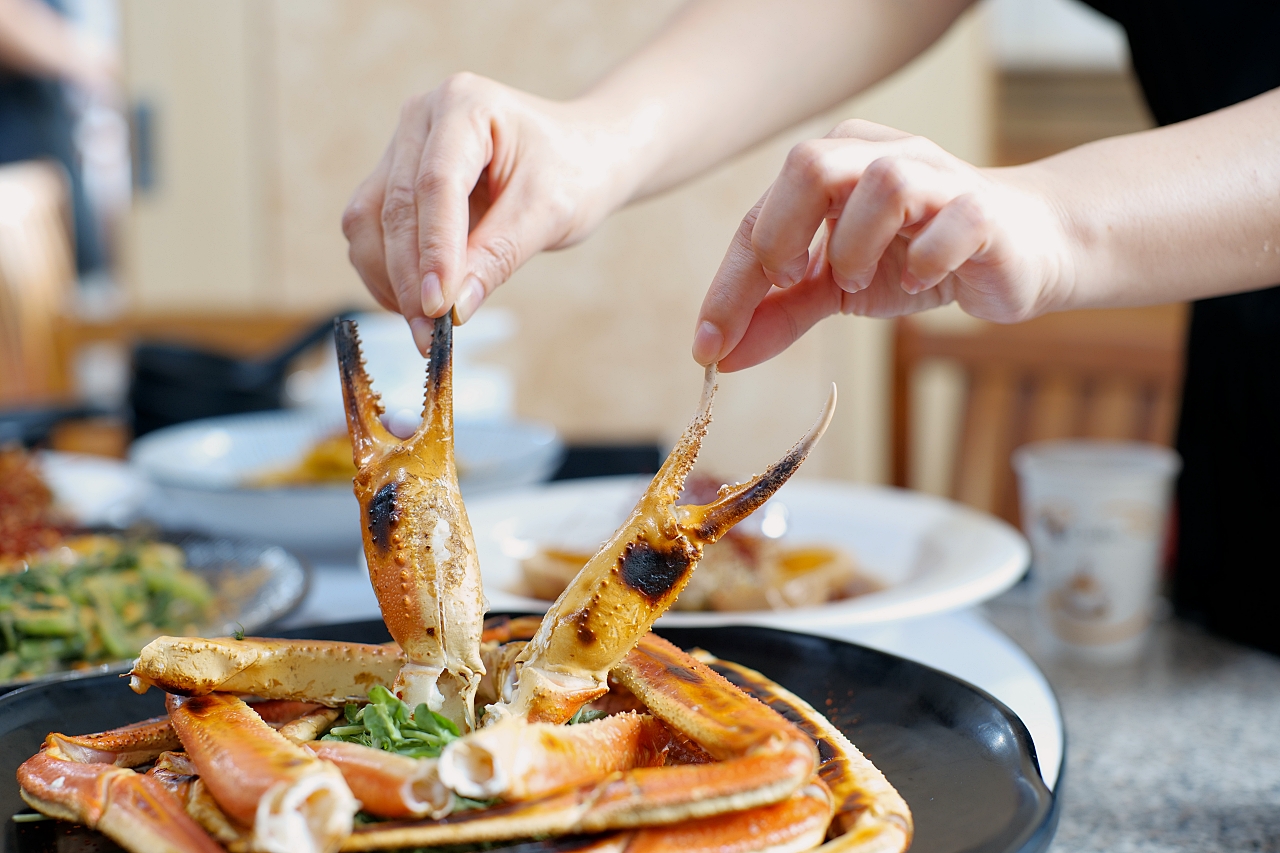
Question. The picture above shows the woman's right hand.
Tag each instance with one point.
(478, 178)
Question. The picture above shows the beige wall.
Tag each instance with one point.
(271, 112)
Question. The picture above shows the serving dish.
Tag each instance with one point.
(933, 555)
(257, 584)
(94, 491)
(200, 470)
(963, 761)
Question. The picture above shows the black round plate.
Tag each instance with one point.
(963, 761)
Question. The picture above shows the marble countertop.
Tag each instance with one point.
(1178, 751)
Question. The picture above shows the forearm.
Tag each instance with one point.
(725, 74)
(36, 41)
(1182, 212)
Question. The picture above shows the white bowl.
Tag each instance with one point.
(934, 555)
(199, 470)
(94, 491)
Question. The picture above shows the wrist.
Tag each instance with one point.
(631, 131)
(1064, 273)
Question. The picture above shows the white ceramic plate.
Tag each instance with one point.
(200, 468)
(934, 555)
(95, 491)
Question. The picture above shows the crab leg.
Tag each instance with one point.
(417, 539)
(761, 760)
(319, 671)
(386, 784)
(140, 743)
(292, 800)
(870, 814)
(127, 746)
(137, 812)
(797, 823)
(637, 575)
(518, 761)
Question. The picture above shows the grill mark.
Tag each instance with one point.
(654, 573)
(384, 514)
(583, 620)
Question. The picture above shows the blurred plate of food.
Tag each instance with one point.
(285, 476)
(818, 553)
(76, 602)
(93, 491)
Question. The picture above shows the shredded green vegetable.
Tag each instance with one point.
(95, 599)
(388, 723)
(585, 715)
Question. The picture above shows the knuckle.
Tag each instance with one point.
(971, 212)
(851, 127)
(502, 256)
(398, 209)
(458, 87)
(354, 216)
(430, 180)
(886, 179)
(806, 163)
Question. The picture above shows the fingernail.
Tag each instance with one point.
(707, 342)
(852, 284)
(432, 294)
(421, 328)
(780, 279)
(469, 300)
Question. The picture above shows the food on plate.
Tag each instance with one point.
(741, 571)
(327, 462)
(581, 723)
(28, 520)
(93, 599)
(73, 600)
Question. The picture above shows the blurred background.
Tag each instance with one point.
(206, 169)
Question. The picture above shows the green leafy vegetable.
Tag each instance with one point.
(94, 598)
(388, 724)
(585, 715)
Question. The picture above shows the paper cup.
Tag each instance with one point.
(1096, 514)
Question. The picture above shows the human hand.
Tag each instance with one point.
(478, 178)
(908, 227)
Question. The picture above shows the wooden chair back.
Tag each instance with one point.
(37, 272)
(1112, 374)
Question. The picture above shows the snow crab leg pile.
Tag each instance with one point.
(580, 728)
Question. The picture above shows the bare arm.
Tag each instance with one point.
(725, 74)
(480, 177)
(37, 41)
(1182, 212)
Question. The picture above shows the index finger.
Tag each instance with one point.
(738, 287)
(453, 159)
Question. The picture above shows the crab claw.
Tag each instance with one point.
(636, 576)
(417, 539)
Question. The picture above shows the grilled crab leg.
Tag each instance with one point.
(761, 760)
(417, 539)
(137, 812)
(293, 801)
(636, 576)
(320, 671)
(869, 814)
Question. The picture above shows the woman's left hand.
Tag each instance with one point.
(908, 227)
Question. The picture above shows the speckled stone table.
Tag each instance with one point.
(1179, 751)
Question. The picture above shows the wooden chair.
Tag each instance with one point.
(37, 272)
(1098, 374)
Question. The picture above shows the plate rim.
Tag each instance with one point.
(1034, 838)
(305, 570)
(544, 431)
(976, 590)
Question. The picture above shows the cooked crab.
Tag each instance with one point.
(684, 759)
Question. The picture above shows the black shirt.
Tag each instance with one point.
(1193, 57)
